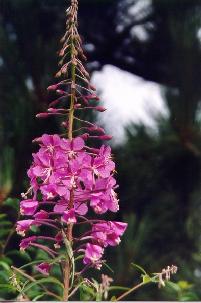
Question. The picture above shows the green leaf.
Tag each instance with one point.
(118, 288)
(3, 216)
(43, 281)
(5, 265)
(139, 268)
(38, 297)
(184, 285)
(113, 299)
(87, 293)
(189, 297)
(173, 286)
(4, 232)
(14, 203)
(8, 287)
(22, 255)
(146, 279)
(5, 223)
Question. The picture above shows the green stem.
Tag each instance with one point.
(131, 290)
(67, 265)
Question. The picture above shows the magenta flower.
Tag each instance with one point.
(93, 254)
(28, 207)
(42, 214)
(25, 243)
(23, 226)
(68, 178)
(43, 268)
(69, 216)
(108, 233)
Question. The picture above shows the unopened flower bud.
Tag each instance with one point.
(105, 137)
(94, 97)
(85, 136)
(58, 74)
(52, 110)
(100, 108)
(60, 92)
(78, 105)
(96, 129)
(52, 87)
(42, 115)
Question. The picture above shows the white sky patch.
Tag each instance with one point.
(139, 7)
(1, 61)
(199, 35)
(128, 98)
(140, 32)
(29, 83)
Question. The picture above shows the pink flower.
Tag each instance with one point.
(28, 207)
(23, 226)
(72, 146)
(62, 166)
(103, 196)
(93, 253)
(43, 268)
(42, 214)
(58, 239)
(108, 233)
(25, 243)
(80, 208)
(69, 216)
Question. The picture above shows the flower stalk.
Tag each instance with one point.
(69, 176)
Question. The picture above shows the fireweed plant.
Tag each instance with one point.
(69, 179)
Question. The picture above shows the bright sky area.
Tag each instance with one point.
(128, 99)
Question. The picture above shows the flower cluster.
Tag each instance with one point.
(69, 179)
(66, 180)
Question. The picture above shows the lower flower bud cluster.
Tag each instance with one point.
(67, 179)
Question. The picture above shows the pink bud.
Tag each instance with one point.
(100, 108)
(64, 69)
(78, 105)
(55, 102)
(52, 87)
(52, 110)
(95, 97)
(37, 140)
(96, 129)
(42, 115)
(105, 137)
(58, 74)
(60, 92)
(61, 53)
(85, 136)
